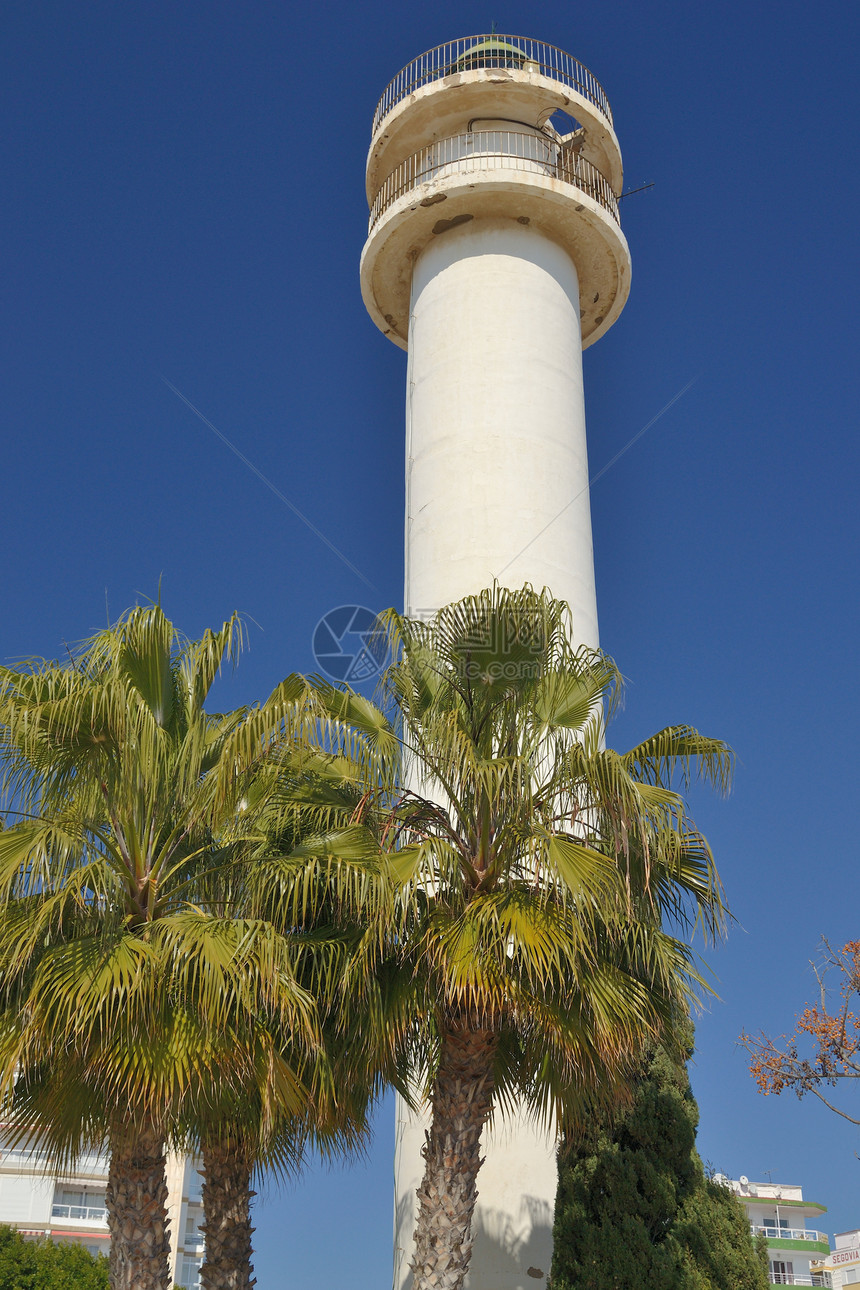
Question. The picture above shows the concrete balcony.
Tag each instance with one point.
(486, 78)
(492, 53)
(95, 1215)
(477, 155)
(779, 1234)
(790, 1279)
(531, 176)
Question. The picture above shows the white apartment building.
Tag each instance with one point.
(797, 1253)
(39, 1203)
(843, 1264)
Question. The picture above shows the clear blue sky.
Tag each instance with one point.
(184, 199)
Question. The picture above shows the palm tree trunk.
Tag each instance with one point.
(136, 1201)
(461, 1101)
(227, 1209)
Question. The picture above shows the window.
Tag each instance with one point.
(193, 1236)
(490, 53)
(190, 1277)
(774, 1227)
(87, 1203)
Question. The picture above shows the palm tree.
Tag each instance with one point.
(538, 882)
(333, 1121)
(125, 970)
(246, 1123)
(301, 805)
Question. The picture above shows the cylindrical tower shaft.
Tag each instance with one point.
(496, 470)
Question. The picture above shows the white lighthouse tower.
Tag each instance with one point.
(495, 256)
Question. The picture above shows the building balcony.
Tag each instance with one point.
(532, 177)
(488, 155)
(34, 1161)
(789, 1233)
(483, 78)
(96, 1215)
(790, 1279)
(492, 53)
(779, 1235)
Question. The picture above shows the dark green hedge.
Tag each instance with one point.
(42, 1265)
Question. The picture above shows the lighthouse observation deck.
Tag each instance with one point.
(480, 152)
(472, 52)
(490, 127)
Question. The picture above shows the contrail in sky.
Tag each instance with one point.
(629, 444)
(273, 487)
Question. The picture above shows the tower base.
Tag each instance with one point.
(513, 1229)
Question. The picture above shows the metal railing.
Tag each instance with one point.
(480, 151)
(472, 52)
(791, 1279)
(89, 1213)
(788, 1233)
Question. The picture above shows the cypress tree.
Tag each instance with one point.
(634, 1207)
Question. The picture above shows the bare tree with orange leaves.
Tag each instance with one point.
(832, 1033)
